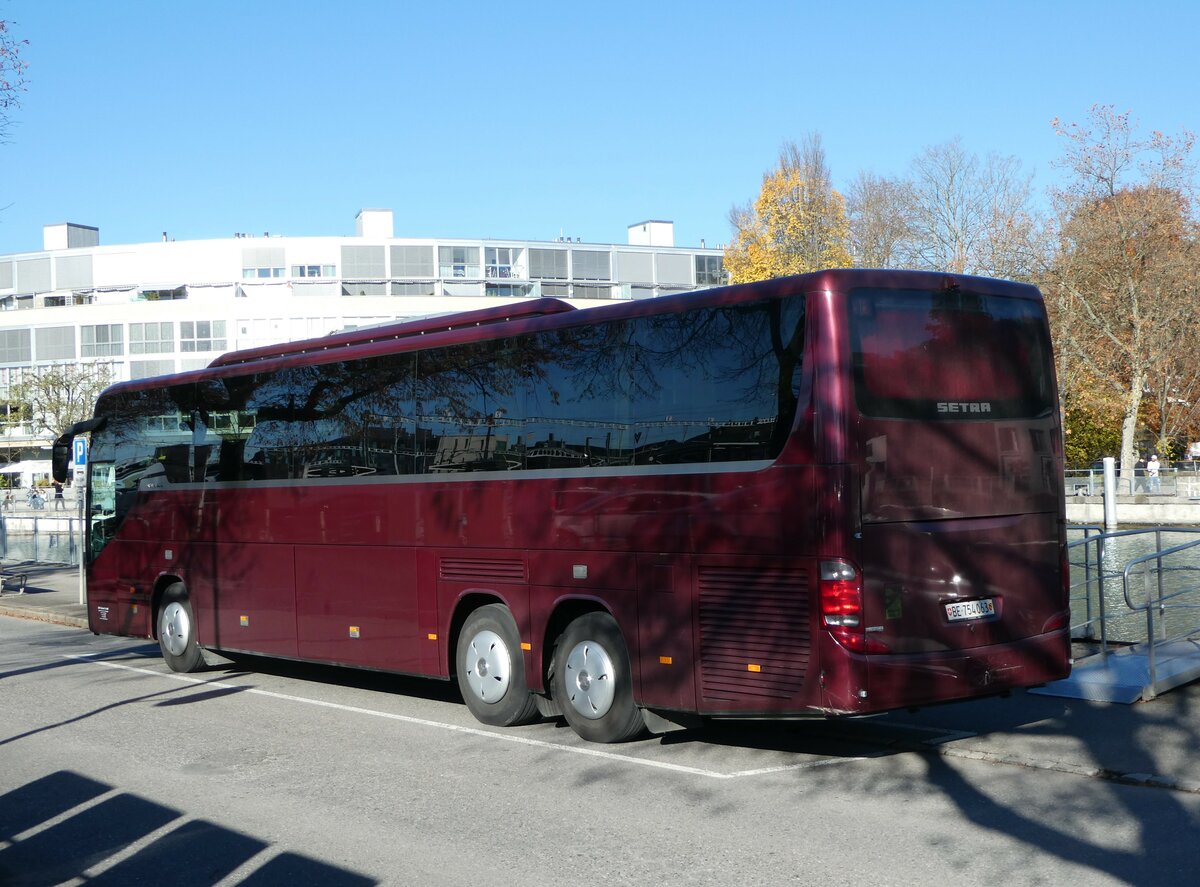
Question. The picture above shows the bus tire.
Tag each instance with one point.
(490, 668)
(177, 631)
(593, 681)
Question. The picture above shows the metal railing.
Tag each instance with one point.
(1170, 588)
(42, 535)
(1179, 483)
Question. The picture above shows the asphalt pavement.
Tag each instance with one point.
(51, 593)
(1155, 743)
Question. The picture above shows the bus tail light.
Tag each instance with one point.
(842, 607)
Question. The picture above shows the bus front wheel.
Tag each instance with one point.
(177, 631)
(491, 669)
(592, 680)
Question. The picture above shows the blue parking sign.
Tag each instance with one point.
(81, 450)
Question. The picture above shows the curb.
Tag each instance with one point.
(44, 616)
(1146, 780)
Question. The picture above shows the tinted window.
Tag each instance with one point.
(709, 385)
(577, 411)
(335, 420)
(467, 405)
(716, 385)
(949, 355)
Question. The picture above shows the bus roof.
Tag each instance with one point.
(449, 328)
(399, 330)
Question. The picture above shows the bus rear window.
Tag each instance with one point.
(949, 354)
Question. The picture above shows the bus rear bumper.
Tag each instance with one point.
(903, 681)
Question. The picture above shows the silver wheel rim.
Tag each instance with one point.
(488, 667)
(175, 628)
(590, 680)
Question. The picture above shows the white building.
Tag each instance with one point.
(152, 308)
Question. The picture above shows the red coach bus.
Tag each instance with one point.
(831, 494)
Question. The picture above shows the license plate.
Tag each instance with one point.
(971, 609)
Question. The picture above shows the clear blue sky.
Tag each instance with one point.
(526, 120)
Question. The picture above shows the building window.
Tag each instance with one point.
(468, 288)
(363, 263)
(499, 261)
(103, 340)
(588, 264)
(145, 369)
(15, 346)
(261, 273)
(55, 343)
(72, 272)
(586, 291)
(548, 264)
(202, 335)
(412, 261)
(458, 261)
(33, 275)
(314, 271)
(424, 288)
(168, 295)
(364, 288)
(152, 338)
(709, 271)
(262, 262)
(509, 290)
(675, 270)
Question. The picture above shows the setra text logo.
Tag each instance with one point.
(974, 406)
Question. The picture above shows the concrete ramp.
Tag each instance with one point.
(1125, 675)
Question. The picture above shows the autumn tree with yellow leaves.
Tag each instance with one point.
(797, 224)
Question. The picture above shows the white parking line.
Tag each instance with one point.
(474, 731)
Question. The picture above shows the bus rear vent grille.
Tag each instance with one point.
(754, 632)
(472, 569)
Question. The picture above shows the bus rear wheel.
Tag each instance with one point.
(177, 631)
(593, 683)
(490, 669)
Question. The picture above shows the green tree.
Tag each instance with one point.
(797, 224)
(54, 397)
(1091, 426)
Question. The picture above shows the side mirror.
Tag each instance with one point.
(60, 458)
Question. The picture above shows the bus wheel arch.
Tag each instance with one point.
(565, 612)
(592, 679)
(175, 628)
(489, 665)
(161, 585)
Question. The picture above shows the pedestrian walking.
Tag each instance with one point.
(1152, 468)
(60, 503)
